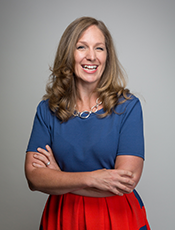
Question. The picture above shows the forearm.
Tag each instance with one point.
(93, 192)
(132, 164)
(56, 182)
(52, 180)
(117, 182)
(100, 183)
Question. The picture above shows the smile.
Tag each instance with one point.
(89, 67)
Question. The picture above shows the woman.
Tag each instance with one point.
(86, 148)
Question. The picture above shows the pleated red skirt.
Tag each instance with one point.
(74, 212)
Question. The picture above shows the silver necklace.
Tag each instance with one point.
(85, 114)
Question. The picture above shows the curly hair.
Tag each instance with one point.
(61, 89)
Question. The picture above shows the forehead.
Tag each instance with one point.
(92, 33)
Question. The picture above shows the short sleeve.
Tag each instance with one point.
(40, 135)
(131, 137)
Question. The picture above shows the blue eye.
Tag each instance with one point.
(80, 47)
(100, 48)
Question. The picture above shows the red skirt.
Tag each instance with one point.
(74, 212)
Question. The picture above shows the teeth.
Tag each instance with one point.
(90, 67)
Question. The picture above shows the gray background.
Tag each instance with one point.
(144, 34)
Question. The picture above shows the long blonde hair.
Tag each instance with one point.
(61, 89)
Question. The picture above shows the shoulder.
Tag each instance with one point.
(126, 105)
(43, 110)
(43, 105)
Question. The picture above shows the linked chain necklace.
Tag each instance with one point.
(85, 114)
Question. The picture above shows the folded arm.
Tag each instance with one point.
(50, 179)
(99, 183)
(124, 177)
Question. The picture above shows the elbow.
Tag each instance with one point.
(31, 186)
(30, 183)
(30, 180)
(136, 179)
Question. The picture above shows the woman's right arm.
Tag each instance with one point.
(52, 181)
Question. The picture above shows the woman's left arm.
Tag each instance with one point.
(130, 163)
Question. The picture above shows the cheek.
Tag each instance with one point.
(103, 58)
(78, 57)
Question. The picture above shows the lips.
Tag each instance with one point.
(90, 67)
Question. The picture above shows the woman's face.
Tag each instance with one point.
(90, 56)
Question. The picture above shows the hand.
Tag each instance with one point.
(116, 181)
(43, 157)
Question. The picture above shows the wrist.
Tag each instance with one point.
(89, 181)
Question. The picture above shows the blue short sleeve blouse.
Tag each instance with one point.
(93, 143)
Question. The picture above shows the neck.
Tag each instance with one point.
(86, 97)
(85, 102)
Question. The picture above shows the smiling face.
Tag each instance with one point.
(90, 56)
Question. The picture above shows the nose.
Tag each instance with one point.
(91, 55)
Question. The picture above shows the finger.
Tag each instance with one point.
(121, 190)
(122, 186)
(127, 181)
(49, 149)
(50, 157)
(125, 189)
(125, 173)
(43, 151)
(42, 158)
(48, 152)
(117, 191)
(37, 160)
(38, 165)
